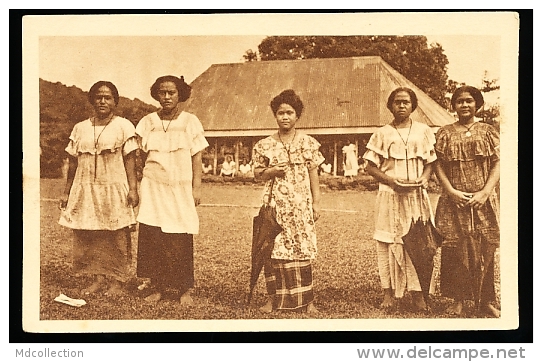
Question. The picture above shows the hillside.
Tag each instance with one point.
(61, 107)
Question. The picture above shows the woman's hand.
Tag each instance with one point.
(133, 198)
(63, 201)
(398, 185)
(478, 199)
(423, 182)
(279, 170)
(316, 211)
(196, 194)
(459, 198)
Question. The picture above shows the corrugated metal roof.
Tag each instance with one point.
(336, 92)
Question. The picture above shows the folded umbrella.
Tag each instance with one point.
(264, 230)
(421, 243)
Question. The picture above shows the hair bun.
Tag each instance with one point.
(289, 93)
(182, 78)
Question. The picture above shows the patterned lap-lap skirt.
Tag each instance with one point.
(166, 258)
(290, 281)
(105, 252)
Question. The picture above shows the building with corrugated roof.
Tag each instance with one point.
(344, 98)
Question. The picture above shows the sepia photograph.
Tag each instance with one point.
(339, 172)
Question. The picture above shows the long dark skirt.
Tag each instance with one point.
(467, 269)
(290, 283)
(105, 252)
(167, 259)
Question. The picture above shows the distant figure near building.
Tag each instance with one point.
(206, 168)
(245, 169)
(228, 167)
(326, 169)
(350, 160)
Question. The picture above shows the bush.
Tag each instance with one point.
(359, 183)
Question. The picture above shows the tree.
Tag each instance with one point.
(490, 113)
(250, 55)
(423, 64)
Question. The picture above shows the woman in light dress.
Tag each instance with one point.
(398, 153)
(170, 191)
(101, 192)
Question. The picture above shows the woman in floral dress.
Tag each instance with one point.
(101, 192)
(288, 160)
(468, 210)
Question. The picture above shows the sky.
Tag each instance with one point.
(82, 50)
(133, 63)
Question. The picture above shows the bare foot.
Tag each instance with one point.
(491, 311)
(186, 299)
(455, 309)
(419, 301)
(155, 297)
(388, 301)
(115, 289)
(311, 309)
(268, 307)
(94, 287)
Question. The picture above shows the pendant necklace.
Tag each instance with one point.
(468, 134)
(97, 141)
(406, 145)
(174, 116)
(287, 148)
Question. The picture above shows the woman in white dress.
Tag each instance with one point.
(350, 160)
(101, 192)
(170, 191)
(397, 153)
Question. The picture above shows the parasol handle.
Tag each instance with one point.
(270, 196)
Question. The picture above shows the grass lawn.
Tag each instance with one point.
(345, 272)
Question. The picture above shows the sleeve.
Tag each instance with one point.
(195, 131)
(378, 144)
(129, 137)
(72, 148)
(142, 131)
(429, 154)
(258, 157)
(375, 149)
(441, 143)
(311, 153)
(494, 143)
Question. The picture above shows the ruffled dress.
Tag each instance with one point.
(97, 207)
(394, 211)
(470, 236)
(166, 188)
(291, 194)
(288, 274)
(167, 213)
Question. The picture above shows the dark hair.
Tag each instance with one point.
(287, 96)
(413, 97)
(96, 86)
(474, 92)
(182, 87)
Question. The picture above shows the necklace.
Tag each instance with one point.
(408, 136)
(173, 116)
(406, 145)
(97, 141)
(287, 146)
(468, 134)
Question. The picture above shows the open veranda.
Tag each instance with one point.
(346, 281)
